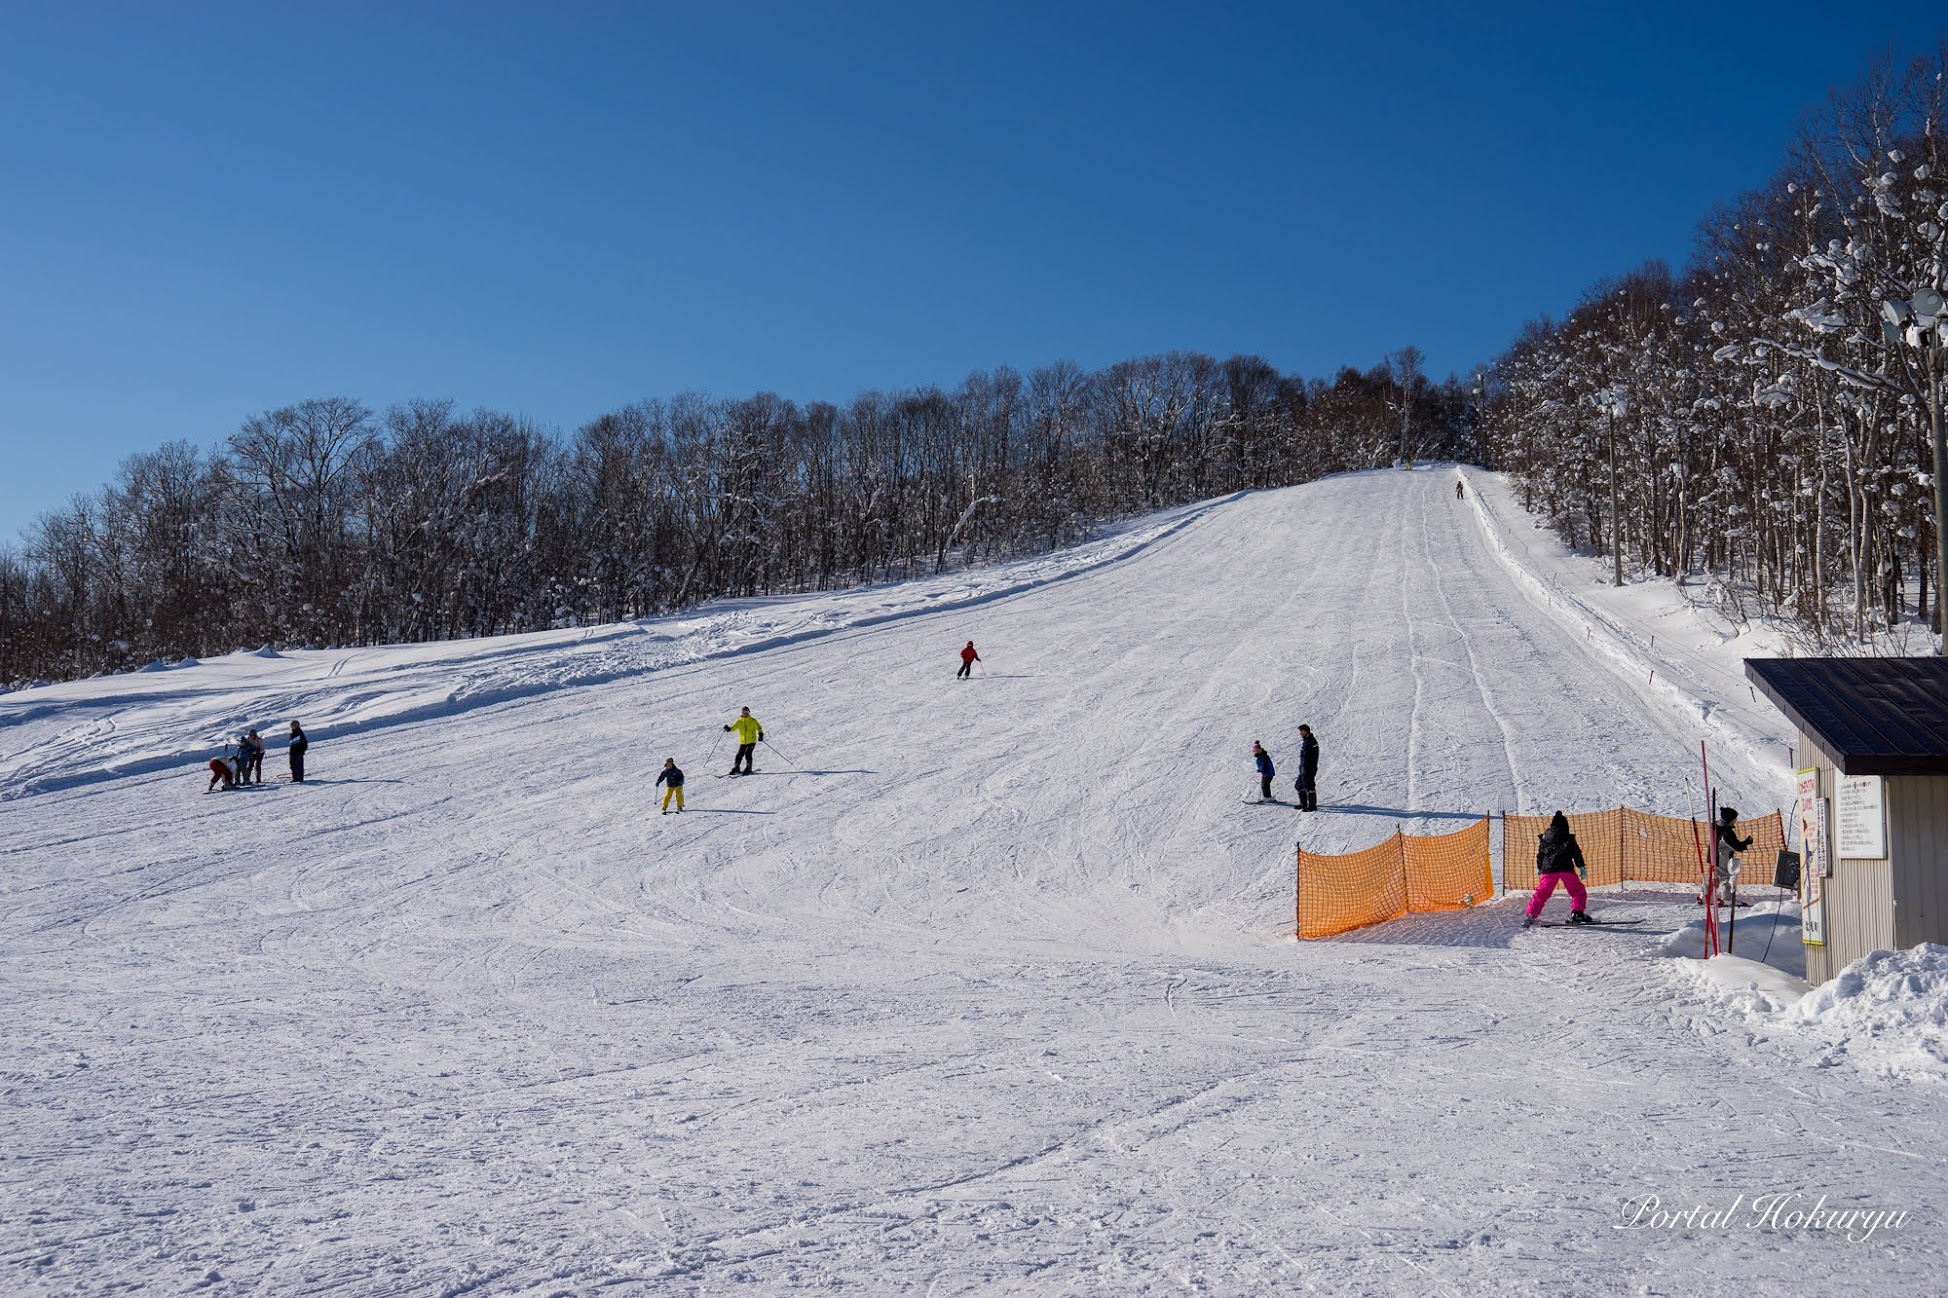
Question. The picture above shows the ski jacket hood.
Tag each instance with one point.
(1557, 850)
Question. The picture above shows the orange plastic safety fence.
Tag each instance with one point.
(1638, 847)
(1768, 835)
(1448, 871)
(1339, 893)
(1664, 849)
(1423, 872)
(1599, 833)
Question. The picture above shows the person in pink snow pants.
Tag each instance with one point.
(1559, 860)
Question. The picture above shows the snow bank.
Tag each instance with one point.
(1747, 987)
(1887, 1013)
(1766, 934)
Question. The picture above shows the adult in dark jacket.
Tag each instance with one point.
(296, 751)
(1559, 860)
(1726, 846)
(1307, 784)
(1265, 770)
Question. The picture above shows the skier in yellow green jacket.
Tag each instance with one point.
(750, 733)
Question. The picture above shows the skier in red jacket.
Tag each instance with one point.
(967, 660)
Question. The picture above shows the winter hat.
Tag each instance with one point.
(1728, 814)
(669, 761)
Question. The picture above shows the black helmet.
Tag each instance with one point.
(1728, 814)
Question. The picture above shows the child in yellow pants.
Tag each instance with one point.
(673, 777)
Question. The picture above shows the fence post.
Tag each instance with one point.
(1400, 862)
(1503, 814)
(1298, 869)
(1622, 873)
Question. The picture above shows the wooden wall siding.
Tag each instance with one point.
(1859, 911)
(1859, 896)
(1917, 828)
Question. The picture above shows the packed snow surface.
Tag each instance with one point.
(975, 987)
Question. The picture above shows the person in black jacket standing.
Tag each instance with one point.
(1726, 845)
(1559, 860)
(296, 751)
(1308, 782)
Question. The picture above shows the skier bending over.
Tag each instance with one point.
(253, 757)
(1307, 784)
(1726, 845)
(967, 660)
(1559, 860)
(1265, 770)
(672, 775)
(750, 733)
(221, 773)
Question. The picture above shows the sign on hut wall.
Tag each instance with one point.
(1862, 827)
(1811, 813)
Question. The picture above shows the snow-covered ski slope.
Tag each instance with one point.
(989, 990)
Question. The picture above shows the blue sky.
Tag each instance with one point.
(209, 210)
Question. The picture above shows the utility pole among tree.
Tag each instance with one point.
(1611, 400)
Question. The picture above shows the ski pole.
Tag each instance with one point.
(715, 747)
(781, 757)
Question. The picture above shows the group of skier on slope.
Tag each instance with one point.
(1559, 861)
(243, 763)
(1306, 786)
(750, 733)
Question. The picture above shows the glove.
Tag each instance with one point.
(760, 736)
(726, 729)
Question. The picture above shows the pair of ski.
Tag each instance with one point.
(1595, 923)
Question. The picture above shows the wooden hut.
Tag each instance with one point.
(1872, 811)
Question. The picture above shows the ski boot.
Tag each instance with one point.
(1580, 917)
